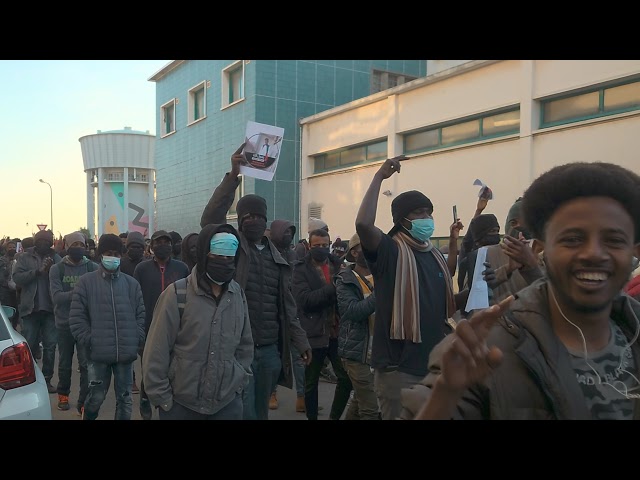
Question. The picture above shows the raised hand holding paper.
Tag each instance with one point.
(261, 150)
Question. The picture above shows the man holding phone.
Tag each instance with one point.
(31, 274)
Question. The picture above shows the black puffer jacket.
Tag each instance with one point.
(316, 301)
(354, 309)
(107, 316)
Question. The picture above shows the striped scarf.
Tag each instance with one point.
(405, 316)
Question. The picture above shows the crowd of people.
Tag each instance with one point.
(540, 322)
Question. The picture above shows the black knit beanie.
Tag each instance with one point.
(406, 202)
(253, 204)
(109, 241)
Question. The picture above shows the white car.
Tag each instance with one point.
(23, 390)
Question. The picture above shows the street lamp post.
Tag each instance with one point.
(51, 190)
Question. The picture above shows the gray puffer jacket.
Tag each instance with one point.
(107, 316)
(354, 309)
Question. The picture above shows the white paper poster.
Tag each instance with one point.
(479, 294)
(261, 150)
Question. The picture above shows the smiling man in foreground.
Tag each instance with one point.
(566, 347)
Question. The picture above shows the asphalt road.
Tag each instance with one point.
(285, 411)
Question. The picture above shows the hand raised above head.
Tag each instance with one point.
(391, 166)
(238, 159)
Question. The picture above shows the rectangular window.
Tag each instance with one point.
(331, 160)
(197, 102)
(377, 151)
(353, 156)
(422, 140)
(501, 123)
(609, 100)
(115, 176)
(579, 106)
(233, 83)
(168, 118)
(481, 127)
(622, 98)
(461, 132)
(347, 157)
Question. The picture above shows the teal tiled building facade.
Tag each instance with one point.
(202, 111)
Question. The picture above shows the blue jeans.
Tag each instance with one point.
(232, 411)
(66, 346)
(99, 380)
(312, 377)
(38, 326)
(266, 368)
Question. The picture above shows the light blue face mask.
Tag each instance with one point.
(110, 263)
(421, 228)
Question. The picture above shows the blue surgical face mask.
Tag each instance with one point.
(110, 263)
(421, 228)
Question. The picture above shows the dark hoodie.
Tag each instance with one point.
(278, 228)
(187, 242)
(61, 284)
(204, 246)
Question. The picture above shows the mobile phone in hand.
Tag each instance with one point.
(455, 213)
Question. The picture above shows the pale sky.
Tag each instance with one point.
(47, 106)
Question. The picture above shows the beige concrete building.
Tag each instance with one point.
(503, 122)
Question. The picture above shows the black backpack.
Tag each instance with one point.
(180, 287)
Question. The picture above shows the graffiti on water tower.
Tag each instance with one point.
(137, 219)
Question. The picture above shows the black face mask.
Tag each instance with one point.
(135, 253)
(11, 252)
(254, 229)
(75, 253)
(221, 270)
(42, 248)
(319, 254)
(287, 238)
(491, 239)
(177, 248)
(162, 251)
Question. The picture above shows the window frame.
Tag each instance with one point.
(192, 102)
(227, 84)
(478, 138)
(321, 158)
(163, 113)
(602, 112)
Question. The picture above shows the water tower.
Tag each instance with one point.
(120, 181)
